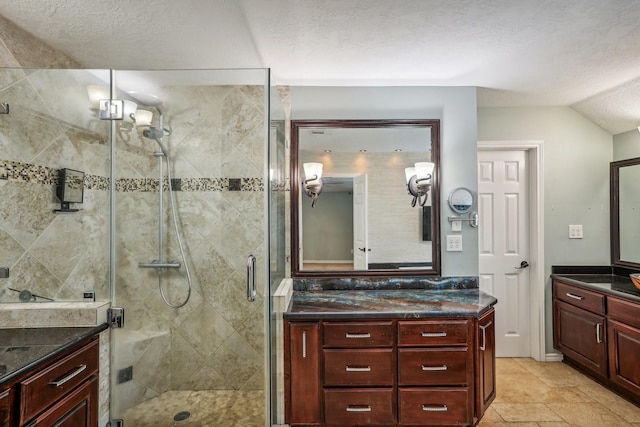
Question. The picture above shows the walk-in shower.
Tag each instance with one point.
(159, 264)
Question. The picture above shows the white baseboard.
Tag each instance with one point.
(553, 357)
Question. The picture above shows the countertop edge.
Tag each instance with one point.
(10, 377)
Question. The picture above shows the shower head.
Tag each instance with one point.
(156, 134)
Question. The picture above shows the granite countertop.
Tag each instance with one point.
(611, 284)
(23, 349)
(394, 303)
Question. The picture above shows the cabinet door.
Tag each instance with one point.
(486, 374)
(5, 408)
(624, 348)
(303, 373)
(78, 409)
(581, 336)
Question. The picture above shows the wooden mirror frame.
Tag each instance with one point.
(614, 193)
(434, 126)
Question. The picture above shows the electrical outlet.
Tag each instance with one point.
(456, 225)
(454, 243)
(125, 374)
(575, 231)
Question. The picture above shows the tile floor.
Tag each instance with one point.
(530, 394)
(534, 394)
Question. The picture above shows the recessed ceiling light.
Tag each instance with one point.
(363, 151)
(398, 150)
(327, 151)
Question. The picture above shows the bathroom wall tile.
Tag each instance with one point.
(206, 330)
(236, 370)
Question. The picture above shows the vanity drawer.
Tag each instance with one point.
(432, 333)
(359, 367)
(625, 311)
(47, 386)
(358, 334)
(434, 406)
(426, 366)
(353, 407)
(580, 297)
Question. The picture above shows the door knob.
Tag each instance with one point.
(523, 264)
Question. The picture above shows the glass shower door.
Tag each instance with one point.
(190, 206)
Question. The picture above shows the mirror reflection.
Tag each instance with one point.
(625, 209)
(353, 214)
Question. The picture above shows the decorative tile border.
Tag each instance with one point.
(27, 172)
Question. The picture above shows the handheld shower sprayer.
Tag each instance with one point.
(156, 133)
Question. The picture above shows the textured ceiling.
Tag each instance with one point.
(579, 53)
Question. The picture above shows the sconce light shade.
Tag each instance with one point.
(312, 172)
(313, 181)
(419, 181)
(143, 117)
(129, 111)
(96, 93)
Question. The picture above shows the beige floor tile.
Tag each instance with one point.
(521, 412)
(587, 415)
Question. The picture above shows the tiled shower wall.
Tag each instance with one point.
(50, 127)
(217, 151)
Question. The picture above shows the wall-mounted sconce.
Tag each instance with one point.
(143, 117)
(313, 181)
(419, 181)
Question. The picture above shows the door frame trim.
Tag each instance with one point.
(537, 318)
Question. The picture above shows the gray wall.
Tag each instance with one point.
(626, 145)
(576, 182)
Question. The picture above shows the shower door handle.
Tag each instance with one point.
(251, 278)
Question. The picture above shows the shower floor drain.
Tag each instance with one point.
(181, 416)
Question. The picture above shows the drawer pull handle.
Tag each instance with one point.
(366, 335)
(68, 377)
(358, 368)
(483, 328)
(434, 368)
(442, 408)
(358, 408)
(578, 297)
(598, 337)
(434, 334)
(304, 344)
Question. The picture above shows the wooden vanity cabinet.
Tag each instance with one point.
(5, 408)
(600, 334)
(62, 392)
(486, 361)
(579, 327)
(302, 372)
(624, 343)
(388, 372)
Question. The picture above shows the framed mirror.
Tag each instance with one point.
(625, 207)
(362, 222)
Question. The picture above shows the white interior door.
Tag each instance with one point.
(360, 225)
(504, 245)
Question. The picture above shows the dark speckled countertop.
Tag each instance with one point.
(388, 303)
(24, 349)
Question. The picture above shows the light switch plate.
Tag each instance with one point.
(456, 225)
(454, 243)
(575, 231)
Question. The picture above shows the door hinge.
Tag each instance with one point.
(115, 317)
(115, 423)
(111, 109)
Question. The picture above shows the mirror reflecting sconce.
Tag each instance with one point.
(419, 181)
(143, 117)
(96, 93)
(313, 181)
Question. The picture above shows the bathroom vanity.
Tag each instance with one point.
(389, 357)
(49, 377)
(596, 325)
